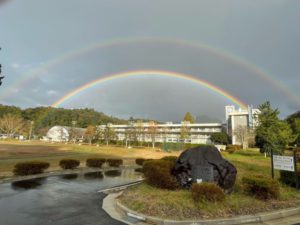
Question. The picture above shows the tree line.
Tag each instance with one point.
(38, 120)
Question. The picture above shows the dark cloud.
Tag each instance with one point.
(264, 33)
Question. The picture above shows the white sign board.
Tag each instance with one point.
(283, 163)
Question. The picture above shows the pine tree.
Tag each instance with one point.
(189, 118)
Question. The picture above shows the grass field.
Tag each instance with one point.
(12, 152)
(180, 205)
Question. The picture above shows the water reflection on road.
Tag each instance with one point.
(67, 199)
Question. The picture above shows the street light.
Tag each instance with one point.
(1, 77)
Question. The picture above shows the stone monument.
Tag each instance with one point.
(204, 164)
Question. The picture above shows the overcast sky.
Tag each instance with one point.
(245, 38)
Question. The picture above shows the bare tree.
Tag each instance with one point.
(152, 130)
(244, 135)
(11, 124)
(140, 131)
(184, 131)
(90, 133)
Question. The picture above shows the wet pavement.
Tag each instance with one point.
(62, 200)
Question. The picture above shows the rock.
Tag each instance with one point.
(204, 163)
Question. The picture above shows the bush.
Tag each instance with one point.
(261, 187)
(172, 159)
(95, 162)
(288, 177)
(230, 150)
(234, 147)
(207, 192)
(69, 163)
(140, 161)
(115, 162)
(29, 168)
(158, 174)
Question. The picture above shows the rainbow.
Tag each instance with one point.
(161, 73)
(39, 71)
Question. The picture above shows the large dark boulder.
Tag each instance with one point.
(207, 164)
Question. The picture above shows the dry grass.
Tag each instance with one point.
(12, 152)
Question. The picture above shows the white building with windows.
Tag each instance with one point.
(237, 119)
(197, 133)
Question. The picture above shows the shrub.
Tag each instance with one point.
(95, 162)
(207, 192)
(235, 147)
(172, 159)
(69, 163)
(115, 162)
(140, 161)
(158, 174)
(29, 168)
(288, 177)
(230, 150)
(261, 187)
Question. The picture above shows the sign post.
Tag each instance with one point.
(295, 165)
(286, 163)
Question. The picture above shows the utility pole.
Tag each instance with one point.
(1, 77)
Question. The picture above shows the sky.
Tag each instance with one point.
(249, 49)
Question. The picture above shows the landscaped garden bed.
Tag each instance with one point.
(179, 204)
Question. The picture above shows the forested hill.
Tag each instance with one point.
(45, 117)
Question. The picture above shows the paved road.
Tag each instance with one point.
(71, 200)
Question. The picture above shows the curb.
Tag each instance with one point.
(119, 212)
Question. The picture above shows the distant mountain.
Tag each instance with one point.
(207, 119)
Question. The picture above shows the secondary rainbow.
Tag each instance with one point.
(161, 73)
(39, 71)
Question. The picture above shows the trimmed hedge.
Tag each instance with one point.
(115, 162)
(69, 163)
(95, 162)
(207, 192)
(261, 187)
(29, 168)
(158, 174)
(140, 161)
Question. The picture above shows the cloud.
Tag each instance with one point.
(15, 65)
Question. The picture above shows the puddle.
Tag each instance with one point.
(70, 176)
(28, 184)
(93, 175)
(113, 173)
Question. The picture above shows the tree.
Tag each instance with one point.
(219, 138)
(244, 135)
(109, 134)
(184, 131)
(90, 133)
(152, 130)
(140, 131)
(272, 133)
(11, 124)
(189, 118)
(294, 121)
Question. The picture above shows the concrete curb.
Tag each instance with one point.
(118, 211)
(62, 172)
